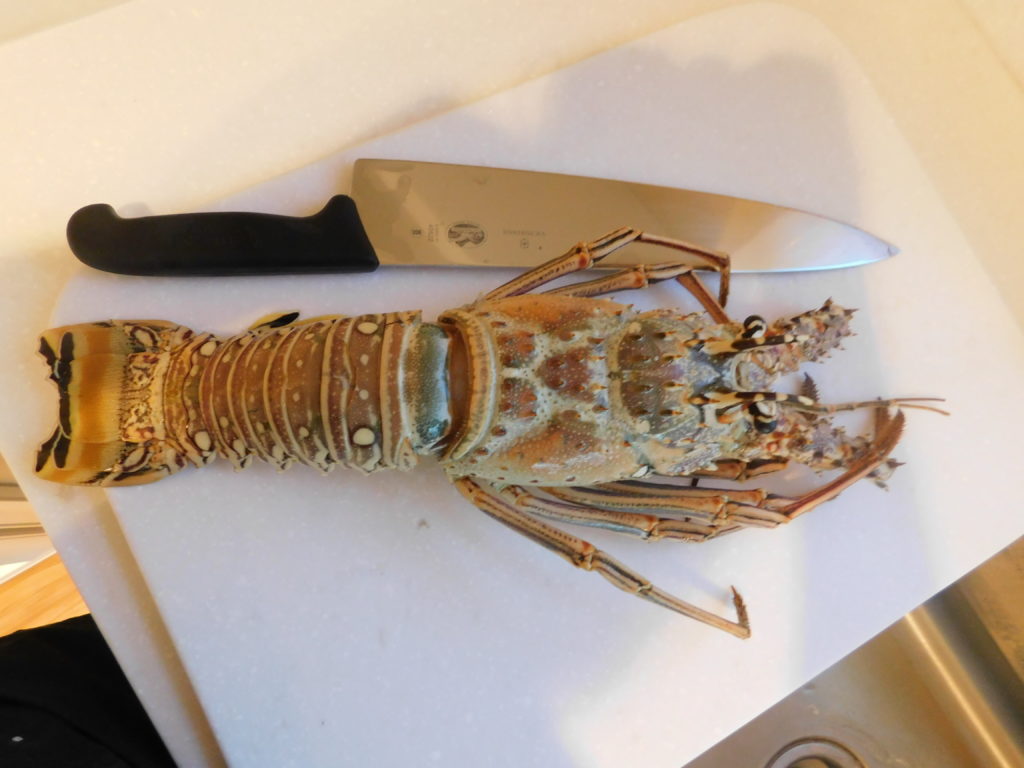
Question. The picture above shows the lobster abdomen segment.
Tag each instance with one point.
(323, 392)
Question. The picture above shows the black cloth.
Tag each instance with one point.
(64, 702)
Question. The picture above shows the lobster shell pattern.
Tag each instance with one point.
(563, 393)
(325, 392)
(576, 391)
(321, 393)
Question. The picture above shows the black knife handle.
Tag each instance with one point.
(332, 240)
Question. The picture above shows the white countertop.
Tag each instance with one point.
(274, 620)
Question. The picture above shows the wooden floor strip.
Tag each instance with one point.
(40, 595)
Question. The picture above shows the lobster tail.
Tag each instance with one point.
(110, 378)
(141, 399)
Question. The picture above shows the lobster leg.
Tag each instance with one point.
(628, 279)
(734, 469)
(585, 255)
(646, 526)
(715, 307)
(887, 433)
(712, 511)
(584, 555)
(581, 256)
(721, 510)
(642, 275)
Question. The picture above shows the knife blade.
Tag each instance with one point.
(410, 213)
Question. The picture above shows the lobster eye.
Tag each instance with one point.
(754, 327)
(766, 416)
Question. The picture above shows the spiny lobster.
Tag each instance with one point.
(539, 406)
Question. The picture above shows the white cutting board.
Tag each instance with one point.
(381, 620)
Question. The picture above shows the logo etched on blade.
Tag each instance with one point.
(466, 234)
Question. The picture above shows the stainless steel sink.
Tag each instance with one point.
(941, 688)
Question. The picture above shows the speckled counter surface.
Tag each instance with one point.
(297, 620)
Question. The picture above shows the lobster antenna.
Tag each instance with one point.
(904, 402)
(804, 403)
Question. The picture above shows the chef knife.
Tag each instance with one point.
(416, 213)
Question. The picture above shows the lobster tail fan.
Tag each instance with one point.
(109, 378)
